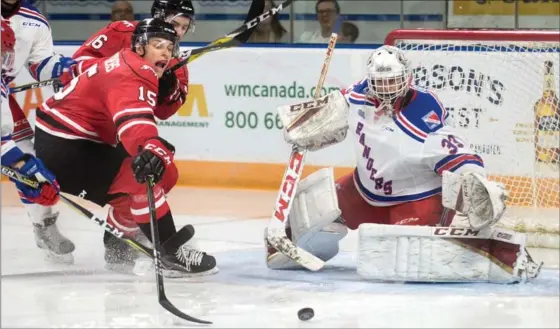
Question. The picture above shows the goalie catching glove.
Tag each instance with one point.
(315, 124)
(481, 200)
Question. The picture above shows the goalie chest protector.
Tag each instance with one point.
(400, 154)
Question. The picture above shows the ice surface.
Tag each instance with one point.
(37, 293)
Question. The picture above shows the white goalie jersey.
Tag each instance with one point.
(34, 45)
(401, 154)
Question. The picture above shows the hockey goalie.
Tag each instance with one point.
(413, 174)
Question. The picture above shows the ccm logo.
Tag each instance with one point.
(31, 24)
(159, 151)
(455, 231)
(311, 104)
(113, 229)
(288, 186)
(504, 236)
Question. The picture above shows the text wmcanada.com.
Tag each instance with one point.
(274, 91)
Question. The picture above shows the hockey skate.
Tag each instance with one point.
(119, 256)
(56, 246)
(181, 259)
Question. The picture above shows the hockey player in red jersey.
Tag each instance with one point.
(173, 86)
(102, 145)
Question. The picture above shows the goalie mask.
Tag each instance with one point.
(388, 73)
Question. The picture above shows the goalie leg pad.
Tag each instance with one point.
(312, 221)
(443, 254)
(481, 200)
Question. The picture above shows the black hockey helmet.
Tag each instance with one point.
(150, 28)
(162, 8)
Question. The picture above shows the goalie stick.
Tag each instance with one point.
(276, 232)
(9, 172)
(236, 37)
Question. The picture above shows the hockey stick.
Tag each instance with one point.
(33, 85)
(235, 38)
(276, 232)
(101, 222)
(238, 36)
(162, 298)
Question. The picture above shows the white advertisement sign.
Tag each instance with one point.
(230, 114)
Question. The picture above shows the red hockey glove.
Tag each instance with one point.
(47, 192)
(169, 89)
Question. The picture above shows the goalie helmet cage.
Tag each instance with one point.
(500, 89)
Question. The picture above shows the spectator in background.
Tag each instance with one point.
(327, 12)
(122, 11)
(270, 30)
(349, 32)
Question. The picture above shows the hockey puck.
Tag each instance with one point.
(306, 313)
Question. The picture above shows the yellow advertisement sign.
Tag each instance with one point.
(195, 107)
(32, 99)
(506, 7)
(195, 98)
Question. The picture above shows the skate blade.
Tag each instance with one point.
(67, 259)
(173, 274)
(120, 268)
(145, 266)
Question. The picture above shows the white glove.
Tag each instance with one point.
(482, 200)
(316, 124)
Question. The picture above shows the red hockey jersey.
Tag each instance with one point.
(117, 36)
(112, 101)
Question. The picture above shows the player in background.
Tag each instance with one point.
(411, 169)
(172, 88)
(34, 50)
(12, 155)
(103, 145)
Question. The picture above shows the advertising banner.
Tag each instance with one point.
(230, 113)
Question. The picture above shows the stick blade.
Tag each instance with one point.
(166, 304)
(278, 239)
